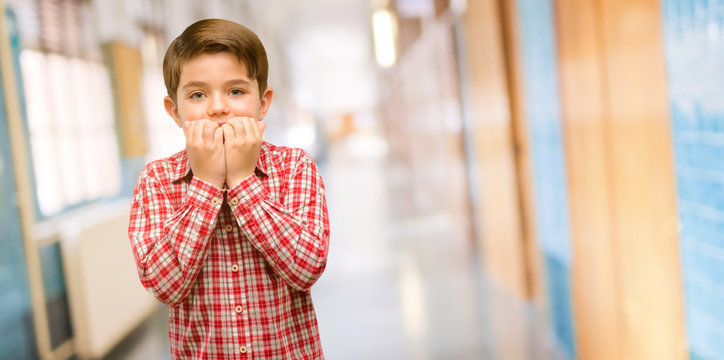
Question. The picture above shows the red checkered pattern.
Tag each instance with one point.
(234, 266)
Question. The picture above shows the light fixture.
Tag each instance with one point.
(384, 31)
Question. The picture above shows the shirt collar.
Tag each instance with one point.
(263, 164)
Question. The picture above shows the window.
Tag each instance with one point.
(68, 101)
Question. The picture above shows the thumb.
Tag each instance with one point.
(262, 126)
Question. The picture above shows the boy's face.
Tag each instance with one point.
(217, 87)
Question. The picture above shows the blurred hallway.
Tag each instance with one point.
(402, 287)
(506, 179)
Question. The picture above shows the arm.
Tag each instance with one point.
(170, 245)
(294, 236)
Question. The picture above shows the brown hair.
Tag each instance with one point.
(211, 36)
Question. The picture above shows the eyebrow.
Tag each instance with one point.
(194, 84)
(228, 83)
(238, 82)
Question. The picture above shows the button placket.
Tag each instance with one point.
(234, 333)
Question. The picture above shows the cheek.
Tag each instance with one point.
(191, 113)
(245, 108)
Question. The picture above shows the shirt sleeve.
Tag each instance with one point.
(293, 236)
(170, 245)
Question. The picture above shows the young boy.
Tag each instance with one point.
(231, 232)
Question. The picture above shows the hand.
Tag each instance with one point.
(243, 137)
(205, 148)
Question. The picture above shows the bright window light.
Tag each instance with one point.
(72, 130)
(383, 27)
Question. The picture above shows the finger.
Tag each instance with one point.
(255, 128)
(193, 130)
(198, 131)
(238, 126)
(250, 129)
(229, 135)
(185, 128)
(208, 132)
(218, 136)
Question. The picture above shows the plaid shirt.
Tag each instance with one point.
(234, 266)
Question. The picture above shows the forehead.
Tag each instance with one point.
(206, 65)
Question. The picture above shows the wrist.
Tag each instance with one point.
(219, 183)
(232, 181)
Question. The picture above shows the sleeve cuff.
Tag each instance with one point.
(247, 193)
(205, 196)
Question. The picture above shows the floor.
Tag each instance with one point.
(396, 287)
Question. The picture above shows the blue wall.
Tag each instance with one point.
(17, 334)
(547, 157)
(694, 42)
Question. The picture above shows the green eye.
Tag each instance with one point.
(235, 92)
(197, 95)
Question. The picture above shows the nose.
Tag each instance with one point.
(218, 107)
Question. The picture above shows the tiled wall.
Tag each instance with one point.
(694, 41)
(547, 158)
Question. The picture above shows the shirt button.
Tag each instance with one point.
(234, 268)
(242, 349)
(215, 201)
(239, 309)
(229, 228)
(234, 201)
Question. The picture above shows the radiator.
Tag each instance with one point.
(107, 301)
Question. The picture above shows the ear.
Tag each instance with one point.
(266, 100)
(172, 110)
